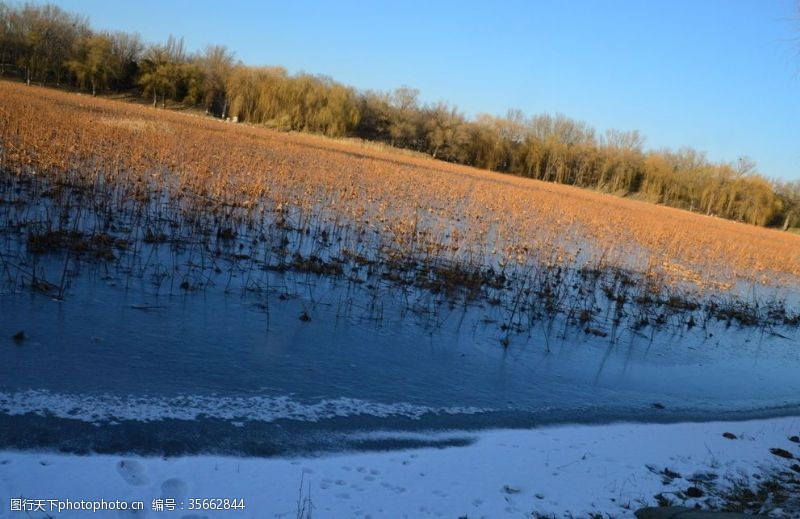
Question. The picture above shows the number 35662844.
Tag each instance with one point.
(216, 504)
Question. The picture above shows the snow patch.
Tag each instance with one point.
(107, 408)
(563, 471)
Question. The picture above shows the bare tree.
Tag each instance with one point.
(216, 64)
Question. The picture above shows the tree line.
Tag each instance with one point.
(46, 45)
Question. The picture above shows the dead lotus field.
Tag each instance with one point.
(186, 202)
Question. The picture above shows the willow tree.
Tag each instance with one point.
(339, 113)
(404, 117)
(161, 70)
(376, 116)
(245, 87)
(92, 62)
(789, 193)
(216, 65)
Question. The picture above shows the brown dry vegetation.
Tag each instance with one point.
(45, 45)
(420, 203)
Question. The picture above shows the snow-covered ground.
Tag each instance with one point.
(560, 471)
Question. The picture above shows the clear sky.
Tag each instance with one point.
(721, 76)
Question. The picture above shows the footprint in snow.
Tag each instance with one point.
(393, 488)
(133, 472)
(174, 488)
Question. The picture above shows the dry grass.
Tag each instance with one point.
(422, 205)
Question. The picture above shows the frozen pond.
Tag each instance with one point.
(141, 330)
(114, 368)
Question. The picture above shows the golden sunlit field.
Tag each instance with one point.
(418, 202)
(121, 184)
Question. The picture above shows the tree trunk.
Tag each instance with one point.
(155, 98)
(709, 206)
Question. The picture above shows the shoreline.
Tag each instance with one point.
(551, 471)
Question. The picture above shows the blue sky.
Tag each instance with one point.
(721, 76)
